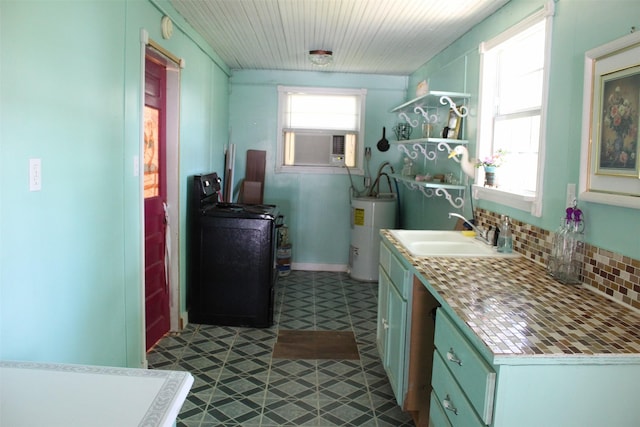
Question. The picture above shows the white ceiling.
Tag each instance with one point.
(393, 37)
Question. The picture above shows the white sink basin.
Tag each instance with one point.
(437, 243)
(411, 236)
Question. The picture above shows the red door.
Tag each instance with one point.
(157, 318)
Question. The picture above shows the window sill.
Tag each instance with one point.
(522, 202)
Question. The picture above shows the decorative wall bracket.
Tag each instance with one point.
(418, 148)
(427, 147)
(461, 111)
(427, 192)
(404, 116)
(458, 202)
(444, 146)
(429, 118)
(437, 191)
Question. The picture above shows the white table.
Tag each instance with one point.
(78, 395)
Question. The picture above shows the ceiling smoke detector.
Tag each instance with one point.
(320, 58)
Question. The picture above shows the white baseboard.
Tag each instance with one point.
(319, 267)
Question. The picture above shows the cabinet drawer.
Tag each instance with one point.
(385, 256)
(451, 398)
(399, 275)
(471, 371)
(437, 417)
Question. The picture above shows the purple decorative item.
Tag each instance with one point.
(577, 215)
(569, 214)
(577, 220)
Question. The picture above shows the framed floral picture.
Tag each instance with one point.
(617, 145)
(609, 163)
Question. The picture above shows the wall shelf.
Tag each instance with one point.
(431, 99)
(432, 107)
(434, 189)
(426, 104)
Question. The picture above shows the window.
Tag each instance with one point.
(320, 130)
(513, 93)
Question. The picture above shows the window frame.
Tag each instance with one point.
(280, 166)
(531, 202)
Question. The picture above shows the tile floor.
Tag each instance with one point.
(238, 383)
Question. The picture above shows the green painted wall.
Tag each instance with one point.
(579, 25)
(70, 84)
(316, 207)
(70, 93)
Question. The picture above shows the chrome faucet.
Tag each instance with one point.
(479, 234)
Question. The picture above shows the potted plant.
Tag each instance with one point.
(490, 164)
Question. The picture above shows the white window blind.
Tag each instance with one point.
(311, 111)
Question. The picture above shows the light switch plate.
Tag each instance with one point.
(571, 195)
(35, 174)
(136, 165)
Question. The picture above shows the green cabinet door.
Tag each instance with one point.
(396, 343)
(383, 313)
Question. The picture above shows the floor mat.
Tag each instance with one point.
(316, 345)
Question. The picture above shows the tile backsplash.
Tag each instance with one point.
(613, 274)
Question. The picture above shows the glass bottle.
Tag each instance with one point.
(407, 169)
(576, 239)
(505, 239)
(557, 247)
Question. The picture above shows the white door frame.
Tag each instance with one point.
(173, 66)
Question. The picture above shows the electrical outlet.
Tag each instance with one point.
(571, 194)
(35, 174)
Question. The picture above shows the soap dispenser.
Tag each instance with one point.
(505, 239)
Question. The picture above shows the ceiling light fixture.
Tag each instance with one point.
(320, 58)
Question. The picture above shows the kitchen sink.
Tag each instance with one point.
(438, 243)
(411, 236)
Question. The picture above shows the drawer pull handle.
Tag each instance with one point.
(451, 357)
(449, 406)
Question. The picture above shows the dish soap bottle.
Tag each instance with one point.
(505, 239)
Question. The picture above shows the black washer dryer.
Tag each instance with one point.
(231, 258)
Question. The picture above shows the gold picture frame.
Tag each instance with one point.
(453, 125)
(609, 163)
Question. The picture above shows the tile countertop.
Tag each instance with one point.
(522, 315)
(52, 395)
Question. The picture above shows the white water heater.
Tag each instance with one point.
(368, 216)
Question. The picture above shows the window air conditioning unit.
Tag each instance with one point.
(308, 148)
(337, 150)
